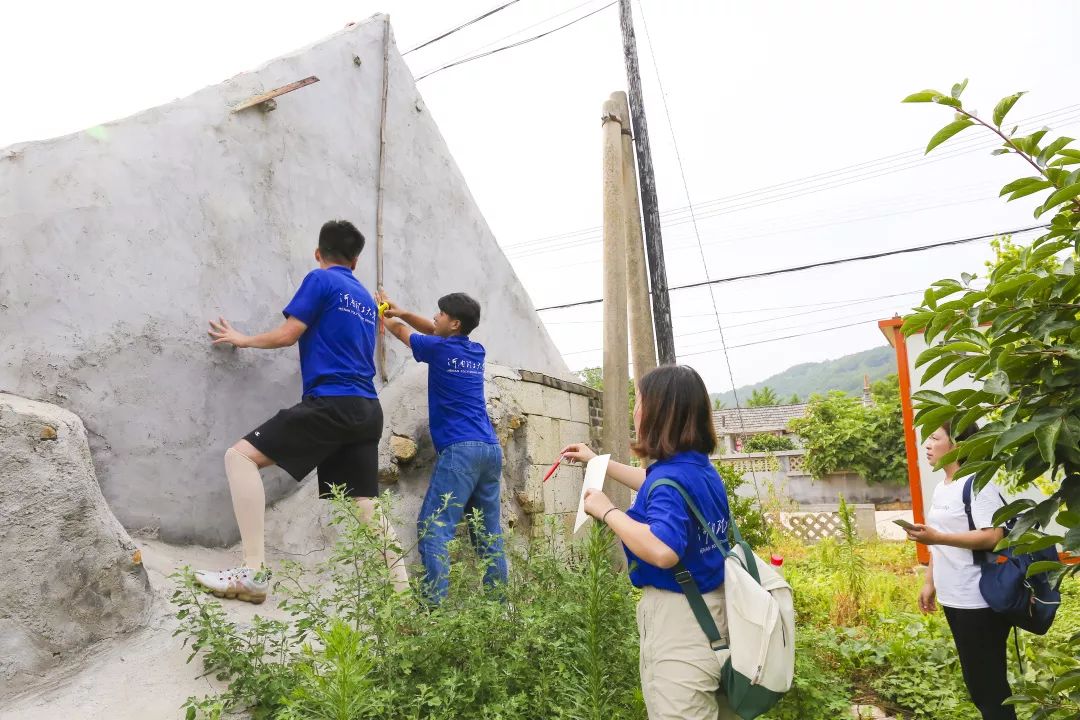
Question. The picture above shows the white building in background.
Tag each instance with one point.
(784, 471)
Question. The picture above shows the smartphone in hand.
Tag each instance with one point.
(904, 524)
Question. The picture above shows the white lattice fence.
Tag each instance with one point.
(812, 527)
(815, 523)
(797, 465)
(749, 465)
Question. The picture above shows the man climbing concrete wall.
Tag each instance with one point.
(119, 243)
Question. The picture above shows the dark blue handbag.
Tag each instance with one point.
(1029, 603)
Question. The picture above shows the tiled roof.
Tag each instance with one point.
(756, 419)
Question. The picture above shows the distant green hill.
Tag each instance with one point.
(844, 373)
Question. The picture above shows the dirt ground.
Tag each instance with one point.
(140, 676)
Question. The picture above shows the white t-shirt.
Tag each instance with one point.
(956, 576)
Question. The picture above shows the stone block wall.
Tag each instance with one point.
(555, 413)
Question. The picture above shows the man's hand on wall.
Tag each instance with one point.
(222, 332)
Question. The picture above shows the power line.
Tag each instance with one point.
(689, 201)
(697, 233)
(802, 314)
(861, 314)
(533, 252)
(496, 41)
(519, 43)
(956, 149)
(916, 158)
(777, 339)
(450, 32)
(833, 305)
(772, 340)
(824, 263)
(765, 201)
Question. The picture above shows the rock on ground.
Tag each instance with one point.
(71, 575)
(143, 675)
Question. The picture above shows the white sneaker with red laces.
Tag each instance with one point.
(239, 583)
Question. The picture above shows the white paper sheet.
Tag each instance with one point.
(595, 472)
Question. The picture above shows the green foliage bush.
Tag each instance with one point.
(839, 432)
(560, 640)
(746, 511)
(767, 442)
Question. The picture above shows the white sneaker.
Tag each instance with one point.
(239, 583)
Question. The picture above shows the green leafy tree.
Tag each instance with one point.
(839, 432)
(717, 404)
(763, 397)
(1007, 250)
(794, 399)
(767, 442)
(1017, 337)
(747, 513)
(594, 377)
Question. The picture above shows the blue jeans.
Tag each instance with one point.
(470, 472)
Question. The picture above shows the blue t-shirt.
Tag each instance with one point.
(666, 514)
(456, 405)
(337, 351)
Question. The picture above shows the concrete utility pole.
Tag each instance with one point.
(661, 304)
(616, 435)
(642, 339)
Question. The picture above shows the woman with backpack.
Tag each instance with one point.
(952, 577)
(680, 673)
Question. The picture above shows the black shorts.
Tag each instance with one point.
(337, 435)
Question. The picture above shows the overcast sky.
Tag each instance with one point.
(786, 116)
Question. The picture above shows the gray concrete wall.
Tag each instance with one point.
(117, 245)
(784, 473)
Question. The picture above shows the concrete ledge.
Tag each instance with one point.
(552, 382)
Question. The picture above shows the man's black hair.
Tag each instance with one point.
(462, 308)
(340, 241)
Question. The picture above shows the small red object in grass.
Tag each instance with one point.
(777, 560)
(553, 468)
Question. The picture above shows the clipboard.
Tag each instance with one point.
(595, 472)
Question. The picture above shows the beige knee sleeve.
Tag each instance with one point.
(399, 576)
(249, 504)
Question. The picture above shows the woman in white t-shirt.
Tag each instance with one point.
(952, 578)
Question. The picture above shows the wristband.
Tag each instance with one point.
(603, 518)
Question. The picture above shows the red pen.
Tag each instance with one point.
(553, 468)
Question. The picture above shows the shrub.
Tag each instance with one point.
(767, 442)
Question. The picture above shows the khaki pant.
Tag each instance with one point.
(680, 673)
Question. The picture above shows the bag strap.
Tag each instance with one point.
(698, 606)
(978, 556)
(1019, 657)
(733, 529)
(686, 581)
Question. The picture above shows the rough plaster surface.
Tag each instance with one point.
(117, 245)
(142, 675)
(69, 573)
